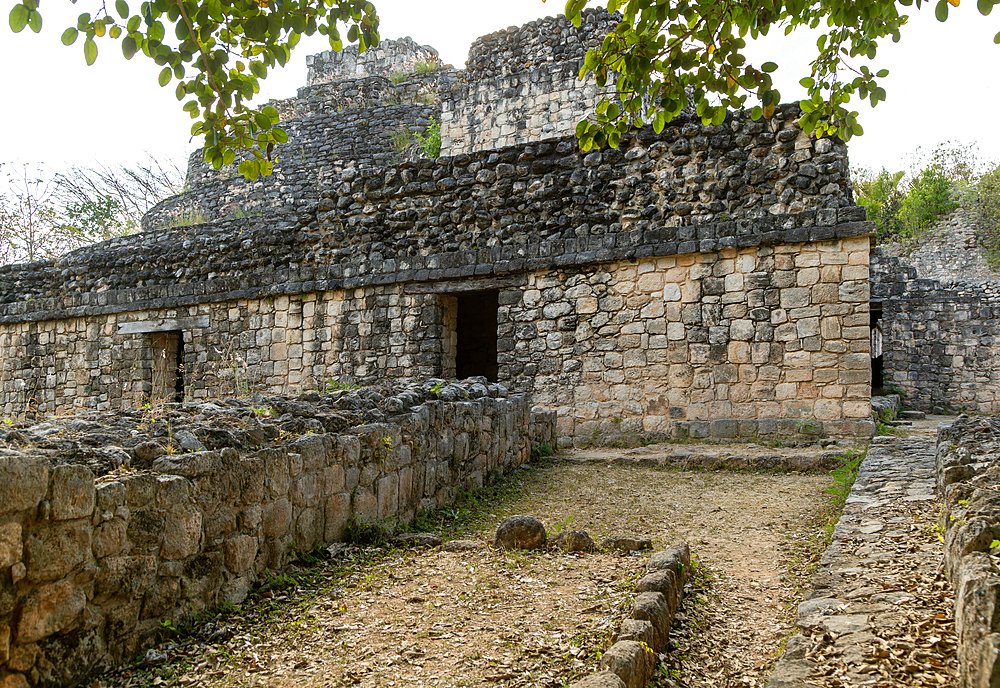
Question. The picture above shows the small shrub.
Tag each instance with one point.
(398, 77)
(987, 204)
(401, 140)
(881, 198)
(928, 199)
(541, 451)
(366, 534)
(429, 65)
(430, 140)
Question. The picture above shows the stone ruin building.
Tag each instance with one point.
(705, 281)
(936, 311)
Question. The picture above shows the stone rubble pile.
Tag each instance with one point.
(135, 437)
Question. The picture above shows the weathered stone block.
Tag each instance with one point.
(630, 661)
(11, 548)
(23, 483)
(182, 532)
(73, 493)
(276, 518)
(50, 609)
(54, 549)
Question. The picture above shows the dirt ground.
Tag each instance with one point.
(382, 617)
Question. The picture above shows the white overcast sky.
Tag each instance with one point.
(55, 110)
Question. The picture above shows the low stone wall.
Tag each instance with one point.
(631, 660)
(968, 475)
(89, 568)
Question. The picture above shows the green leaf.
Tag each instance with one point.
(34, 21)
(996, 38)
(279, 135)
(771, 66)
(271, 112)
(985, 7)
(941, 11)
(129, 47)
(808, 82)
(165, 76)
(250, 169)
(659, 121)
(69, 36)
(90, 51)
(18, 18)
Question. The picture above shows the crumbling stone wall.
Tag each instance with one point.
(522, 84)
(388, 57)
(940, 339)
(948, 251)
(968, 476)
(89, 568)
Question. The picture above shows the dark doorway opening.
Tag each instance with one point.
(875, 311)
(476, 327)
(168, 365)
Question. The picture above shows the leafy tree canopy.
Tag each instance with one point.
(670, 55)
(217, 51)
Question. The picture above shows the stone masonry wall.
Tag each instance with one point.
(521, 84)
(336, 124)
(691, 188)
(358, 288)
(550, 39)
(712, 344)
(90, 568)
(948, 251)
(543, 102)
(968, 477)
(388, 57)
(941, 340)
(281, 344)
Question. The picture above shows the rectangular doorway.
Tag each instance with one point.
(167, 349)
(470, 334)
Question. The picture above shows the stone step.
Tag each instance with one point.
(899, 423)
(912, 415)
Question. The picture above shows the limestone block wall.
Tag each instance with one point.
(387, 57)
(968, 465)
(941, 340)
(521, 84)
(288, 343)
(89, 568)
(719, 343)
(542, 102)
